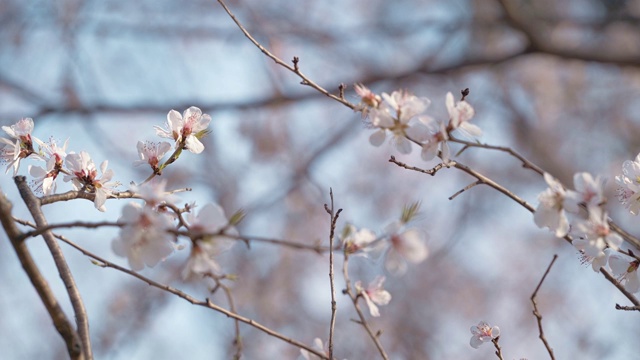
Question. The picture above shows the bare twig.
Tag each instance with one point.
(627, 308)
(82, 320)
(525, 163)
(206, 303)
(498, 349)
(294, 69)
(87, 225)
(431, 172)
(334, 305)
(536, 313)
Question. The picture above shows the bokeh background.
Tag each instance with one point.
(558, 81)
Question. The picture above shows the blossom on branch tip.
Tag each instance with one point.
(151, 153)
(459, 115)
(84, 176)
(186, 129)
(368, 99)
(374, 294)
(629, 185)
(143, 240)
(396, 116)
(626, 270)
(357, 242)
(550, 212)
(482, 333)
(12, 152)
(44, 178)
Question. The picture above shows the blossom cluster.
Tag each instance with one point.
(399, 244)
(401, 114)
(581, 214)
(148, 232)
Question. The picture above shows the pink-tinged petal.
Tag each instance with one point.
(101, 198)
(413, 247)
(373, 309)
(377, 138)
(403, 145)
(475, 342)
(194, 145)
(418, 132)
(174, 119)
(429, 151)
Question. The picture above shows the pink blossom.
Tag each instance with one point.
(482, 333)
(405, 246)
(550, 212)
(626, 269)
(151, 153)
(144, 239)
(459, 115)
(186, 129)
(84, 176)
(374, 294)
(11, 153)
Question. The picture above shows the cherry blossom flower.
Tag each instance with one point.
(358, 242)
(459, 115)
(186, 129)
(589, 192)
(597, 234)
(482, 333)
(209, 221)
(396, 116)
(597, 261)
(374, 294)
(629, 185)
(11, 153)
(369, 100)
(151, 153)
(144, 239)
(405, 246)
(84, 176)
(550, 212)
(437, 138)
(154, 193)
(44, 178)
(626, 270)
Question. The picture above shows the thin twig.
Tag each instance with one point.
(237, 339)
(525, 163)
(88, 225)
(294, 69)
(334, 305)
(82, 320)
(431, 172)
(537, 314)
(206, 303)
(627, 308)
(498, 349)
(465, 189)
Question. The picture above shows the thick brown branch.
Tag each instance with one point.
(82, 320)
(60, 321)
